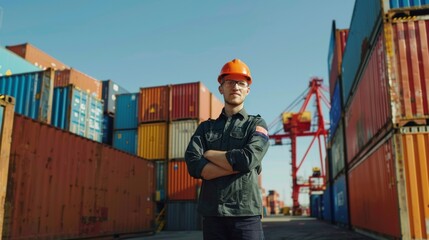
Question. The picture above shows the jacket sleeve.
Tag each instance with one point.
(250, 157)
(194, 153)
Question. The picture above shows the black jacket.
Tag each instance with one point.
(245, 139)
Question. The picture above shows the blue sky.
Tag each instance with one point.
(141, 43)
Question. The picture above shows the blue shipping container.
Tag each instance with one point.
(336, 110)
(338, 156)
(316, 206)
(183, 216)
(32, 93)
(108, 129)
(406, 3)
(1, 119)
(126, 116)
(78, 112)
(341, 210)
(125, 140)
(110, 90)
(327, 204)
(10, 63)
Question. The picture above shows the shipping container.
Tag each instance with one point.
(126, 116)
(180, 133)
(403, 4)
(107, 129)
(190, 101)
(373, 195)
(180, 185)
(32, 92)
(327, 204)
(338, 156)
(335, 55)
(10, 64)
(216, 106)
(64, 186)
(81, 80)
(152, 141)
(183, 216)
(368, 114)
(78, 112)
(407, 43)
(109, 92)
(412, 169)
(125, 140)
(316, 206)
(37, 57)
(160, 179)
(341, 206)
(154, 104)
(336, 110)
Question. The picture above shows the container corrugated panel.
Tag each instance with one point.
(109, 92)
(125, 140)
(336, 110)
(32, 92)
(108, 129)
(337, 57)
(180, 133)
(183, 216)
(152, 141)
(316, 206)
(410, 61)
(216, 106)
(180, 185)
(412, 158)
(366, 17)
(404, 3)
(154, 104)
(369, 110)
(161, 175)
(78, 112)
(327, 204)
(190, 101)
(10, 64)
(373, 195)
(126, 116)
(36, 56)
(81, 80)
(341, 208)
(338, 154)
(64, 186)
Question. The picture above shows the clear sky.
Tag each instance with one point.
(141, 43)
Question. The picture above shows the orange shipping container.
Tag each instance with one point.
(180, 133)
(181, 186)
(216, 106)
(37, 56)
(190, 101)
(66, 186)
(152, 141)
(154, 104)
(78, 79)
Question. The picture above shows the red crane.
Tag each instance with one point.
(298, 124)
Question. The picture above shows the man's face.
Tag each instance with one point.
(234, 89)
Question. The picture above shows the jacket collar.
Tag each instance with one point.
(242, 114)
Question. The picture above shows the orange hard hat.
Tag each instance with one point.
(236, 66)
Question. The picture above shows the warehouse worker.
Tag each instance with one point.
(226, 153)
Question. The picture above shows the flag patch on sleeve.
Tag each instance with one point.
(261, 131)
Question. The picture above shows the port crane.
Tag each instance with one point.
(299, 124)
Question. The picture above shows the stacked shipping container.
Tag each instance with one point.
(126, 122)
(386, 117)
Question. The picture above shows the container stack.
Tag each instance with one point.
(386, 120)
(126, 122)
(109, 91)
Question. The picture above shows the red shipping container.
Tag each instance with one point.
(340, 44)
(216, 106)
(154, 104)
(62, 185)
(37, 56)
(81, 80)
(190, 101)
(369, 110)
(180, 185)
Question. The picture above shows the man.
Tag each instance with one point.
(227, 153)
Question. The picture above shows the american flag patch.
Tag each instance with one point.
(261, 131)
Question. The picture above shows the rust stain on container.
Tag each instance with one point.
(152, 141)
(154, 104)
(37, 56)
(180, 185)
(61, 185)
(81, 80)
(190, 101)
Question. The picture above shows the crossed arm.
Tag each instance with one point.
(218, 165)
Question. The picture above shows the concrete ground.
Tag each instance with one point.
(276, 228)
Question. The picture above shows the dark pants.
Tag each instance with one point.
(233, 228)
